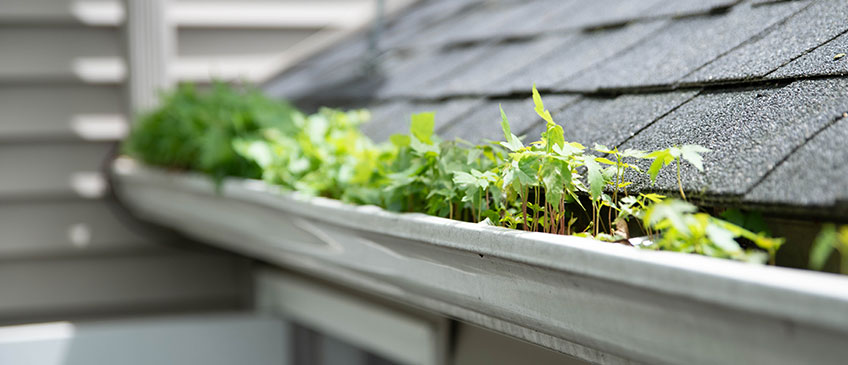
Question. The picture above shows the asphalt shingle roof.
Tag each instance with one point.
(759, 82)
(622, 116)
(816, 24)
(798, 182)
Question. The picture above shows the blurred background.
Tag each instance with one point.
(72, 75)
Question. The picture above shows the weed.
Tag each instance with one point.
(830, 238)
(549, 185)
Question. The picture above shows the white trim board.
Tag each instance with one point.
(600, 302)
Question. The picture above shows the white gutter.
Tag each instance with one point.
(605, 303)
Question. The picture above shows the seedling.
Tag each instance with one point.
(690, 152)
(539, 186)
(829, 239)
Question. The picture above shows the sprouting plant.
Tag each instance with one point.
(661, 158)
(542, 174)
(617, 184)
(634, 207)
(538, 186)
(683, 229)
(830, 238)
(429, 175)
(476, 187)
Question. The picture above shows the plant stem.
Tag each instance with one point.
(679, 180)
(536, 209)
(562, 221)
(550, 216)
(615, 188)
(525, 198)
(594, 218)
(480, 206)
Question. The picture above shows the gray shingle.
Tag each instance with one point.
(680, 48)
(640, 44)
(610, 121)
(295, 81)
(388, 119)
(606, 12)
(394, 117)
(687, 7)
(409, 77)
(819, 62)
(573, 56)
(490, 21)
(341, 62)
(500, 60)
(546, 21)
(450, 111)
(574, 15)
(588, 14)
(809, 28)
(814, 175)
(484, 122)
(748, 131)
(765, 2)
(403, 30)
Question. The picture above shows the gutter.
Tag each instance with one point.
(601, 302)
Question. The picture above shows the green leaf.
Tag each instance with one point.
(673, 211)
(692, 154)
(258, 151)
(633, 153)
(365, 167)
(400, 140)
(554, 137)
(661, 158)
(723, 238)
(540, 107)
(656, 198)
(509, 178)
(569, 149)
(602, 149)
(423, 148)
(422, 126)
(512, 142)
(823, 246)
(527, 168)
(595, 176)
(654, 170)
(605, 161)
(464, 179)
(554, 181)
(472, 156)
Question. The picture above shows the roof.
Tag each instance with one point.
(761, 83)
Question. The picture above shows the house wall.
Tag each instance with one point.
(67, 247)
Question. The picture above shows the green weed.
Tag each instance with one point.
(548, 185)
(829, 239)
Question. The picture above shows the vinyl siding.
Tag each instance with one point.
(66, 245)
